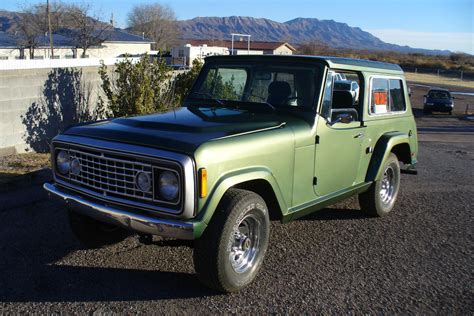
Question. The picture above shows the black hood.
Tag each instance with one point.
(182, 130)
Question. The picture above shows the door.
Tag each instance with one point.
(339, 141)
(337, 155)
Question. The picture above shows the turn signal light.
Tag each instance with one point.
(202, 182)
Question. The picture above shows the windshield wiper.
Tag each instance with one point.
(271, 106)
(210, 96)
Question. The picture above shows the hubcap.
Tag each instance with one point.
(387, 189)
(245, 242)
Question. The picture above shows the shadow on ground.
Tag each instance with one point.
(37, 239)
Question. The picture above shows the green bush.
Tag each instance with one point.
(135, 88)
(184, 82)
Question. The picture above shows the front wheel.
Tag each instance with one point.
(380, 198)
(230, 253)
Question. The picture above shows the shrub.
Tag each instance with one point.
(135, 88)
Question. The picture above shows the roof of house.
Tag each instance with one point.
(7, 40)
(66, 38)
(254, 45)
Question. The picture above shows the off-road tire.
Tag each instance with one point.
(213, 260)
(372, 201)
(94, 234)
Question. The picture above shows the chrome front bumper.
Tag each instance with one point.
(137, 222)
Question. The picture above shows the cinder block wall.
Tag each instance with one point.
(32, 91)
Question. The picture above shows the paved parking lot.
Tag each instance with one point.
(417, 260)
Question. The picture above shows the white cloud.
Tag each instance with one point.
(463, 42)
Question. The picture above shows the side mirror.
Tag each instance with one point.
(453, 98)
(345, 118)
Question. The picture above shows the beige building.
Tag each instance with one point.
(192, 49)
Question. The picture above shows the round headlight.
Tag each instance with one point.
(168, 185)
(75, 167)
(62, 162)
(143, 181)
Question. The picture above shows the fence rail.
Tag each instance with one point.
(58, 63)
(459, 74)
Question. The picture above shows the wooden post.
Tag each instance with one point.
(48, 13)
(461, 74)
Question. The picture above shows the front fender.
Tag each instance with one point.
(382, 151)
(227, 181)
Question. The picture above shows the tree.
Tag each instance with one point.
(137, 88)
(29, 32)
(86, 31)
(155, 21)
(33, 24)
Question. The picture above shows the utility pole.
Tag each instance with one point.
(48, 13)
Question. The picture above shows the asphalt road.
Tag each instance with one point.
(419, 259)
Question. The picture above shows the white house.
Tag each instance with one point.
(117, 43)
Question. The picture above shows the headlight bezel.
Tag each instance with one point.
(66, 163)
(159, 186)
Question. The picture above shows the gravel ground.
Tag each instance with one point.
(417, 260)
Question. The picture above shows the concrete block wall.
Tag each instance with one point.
(21, 89)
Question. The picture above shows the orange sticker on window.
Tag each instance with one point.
(380, 97)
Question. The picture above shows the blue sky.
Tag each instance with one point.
(434, 24)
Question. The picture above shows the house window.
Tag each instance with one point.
(181, 53)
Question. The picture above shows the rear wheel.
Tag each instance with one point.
(380, 198)
(230, 253)
(95, 234)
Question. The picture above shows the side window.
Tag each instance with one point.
(397, 100)
(379, 104)
(387, 96)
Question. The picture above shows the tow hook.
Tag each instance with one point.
(145, 239)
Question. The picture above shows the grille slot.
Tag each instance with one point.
(110, 176)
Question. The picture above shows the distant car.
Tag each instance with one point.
(347, 85)
(438, 100)
(179, 67)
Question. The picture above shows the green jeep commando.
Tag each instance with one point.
(257, 138)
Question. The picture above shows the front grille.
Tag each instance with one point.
(110, 175)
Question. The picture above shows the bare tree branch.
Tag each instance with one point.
(155, 21)
(87, 31)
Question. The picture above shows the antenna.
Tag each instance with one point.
(240, 36)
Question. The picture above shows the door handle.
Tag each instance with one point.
(359, 135)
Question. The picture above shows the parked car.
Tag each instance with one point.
(347, 85)
(258, 137)
(438, 100)
(179, 67)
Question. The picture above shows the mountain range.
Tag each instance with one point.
(297, 31)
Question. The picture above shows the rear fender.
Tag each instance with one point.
(382, 150)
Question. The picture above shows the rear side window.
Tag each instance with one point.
(387, 96)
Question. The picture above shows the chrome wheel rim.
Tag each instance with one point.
(387, 189)
(245, 243)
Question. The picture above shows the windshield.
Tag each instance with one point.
(270, 85)
(439, 95)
